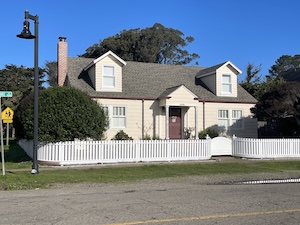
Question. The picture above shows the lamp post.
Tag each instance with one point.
(26, 34)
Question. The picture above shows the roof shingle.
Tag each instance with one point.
(150, 80)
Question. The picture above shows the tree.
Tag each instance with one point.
(156, 44)
(282, 105)
(255, 85)
(65, 113)
(19, 80)
(252, 81)
(284, 63)
(51, 71)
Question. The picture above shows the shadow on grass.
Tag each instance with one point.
(14, 153)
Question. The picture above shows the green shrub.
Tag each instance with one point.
(121, 135)
(65, 113)
(211, 133)
(148, 137)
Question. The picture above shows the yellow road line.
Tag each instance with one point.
(207, 217)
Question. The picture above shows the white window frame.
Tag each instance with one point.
(228, 85)
(112, 117)
(224, 118)
(232, 121)
(237, 122)
(106, 77)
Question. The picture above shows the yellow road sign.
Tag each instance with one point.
(7, 114)
(7, 121)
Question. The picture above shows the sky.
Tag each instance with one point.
(243, 32)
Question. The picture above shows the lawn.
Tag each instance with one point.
(18, 167)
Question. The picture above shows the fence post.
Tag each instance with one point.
(233, 147)
(60, 151)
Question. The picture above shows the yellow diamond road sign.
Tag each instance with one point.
(7, 115)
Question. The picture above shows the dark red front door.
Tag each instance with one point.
(175, 123)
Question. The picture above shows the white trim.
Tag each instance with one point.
(229, 84)
(233, 66)
(111, 116)
(230, 119)
(167, 107)
(103, 87)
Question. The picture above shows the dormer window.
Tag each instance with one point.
(109, 77)
(226, 84)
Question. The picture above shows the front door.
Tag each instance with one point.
(175, 123)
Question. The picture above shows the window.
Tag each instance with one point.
(230, 119)
(223, 118)
(226, 84)
(237, 121)
(116, 116)
(108, 77)
(119, 117)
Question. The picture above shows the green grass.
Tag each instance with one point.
(20, 179)
(15, 157)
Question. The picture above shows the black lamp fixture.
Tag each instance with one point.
(26, 34)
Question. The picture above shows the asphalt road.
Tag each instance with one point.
(192, 200)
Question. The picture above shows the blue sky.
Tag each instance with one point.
(242, 32)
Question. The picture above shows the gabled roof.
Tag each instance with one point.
(150, 81)
(212, 70)
(170, 90)
(102, 57)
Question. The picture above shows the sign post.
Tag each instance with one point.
(3, 94)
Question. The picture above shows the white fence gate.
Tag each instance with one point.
(221, 146)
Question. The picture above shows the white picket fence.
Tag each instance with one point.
(95, 152)
(266, 148)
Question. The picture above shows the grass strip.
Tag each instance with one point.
(21, 180)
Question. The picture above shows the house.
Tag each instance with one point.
(161, 100)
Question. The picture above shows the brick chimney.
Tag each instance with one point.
(62, 61)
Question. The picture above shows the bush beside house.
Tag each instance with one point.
(65, 114)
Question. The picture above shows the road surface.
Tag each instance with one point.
(190, 200)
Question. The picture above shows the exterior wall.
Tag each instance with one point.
(189, 118)
(154, 118)
(134, 116)
(226, 70)
(181, 97)
(250, 124)
(91, 72)
(210, 82)
(208, 118)
(108, 61)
